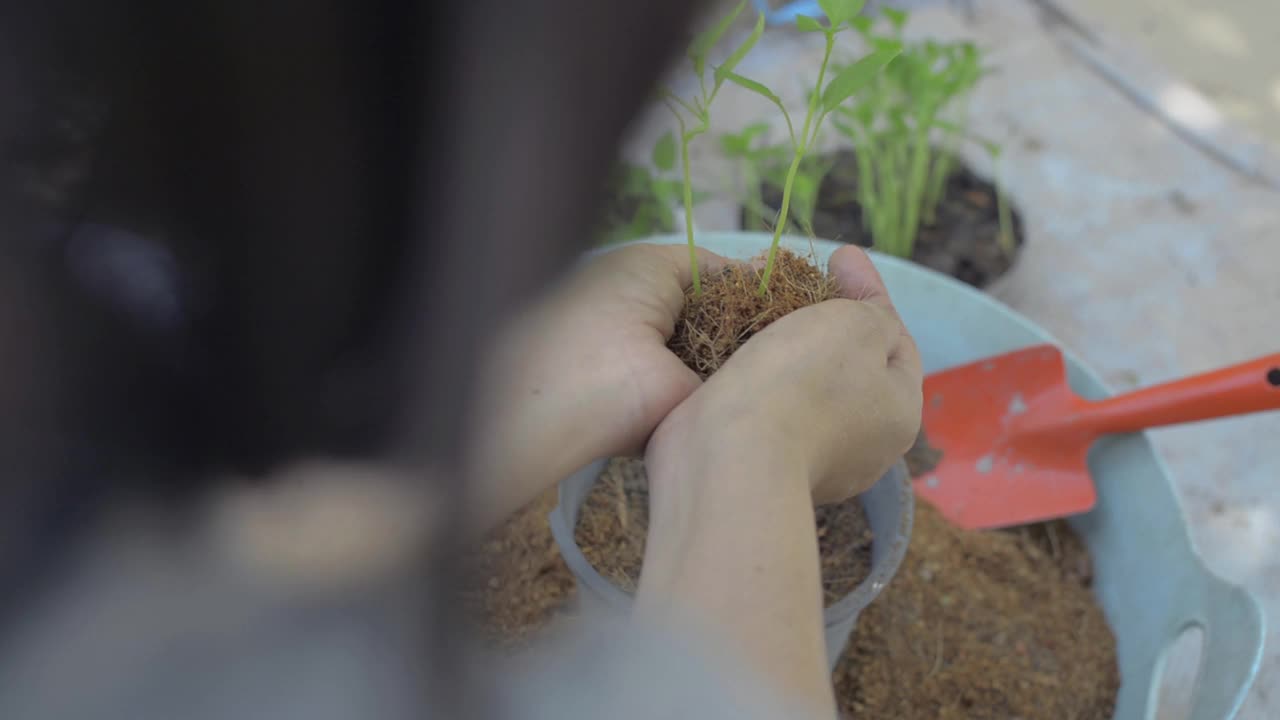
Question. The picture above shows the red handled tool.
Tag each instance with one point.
(1015, 438)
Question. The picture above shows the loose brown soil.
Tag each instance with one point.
(517, 581)
(963, 241)
(974, 625)
(615, 519)
(983, 625)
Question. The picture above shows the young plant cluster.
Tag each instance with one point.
(905, 127)
(906, 124)
(833, 88)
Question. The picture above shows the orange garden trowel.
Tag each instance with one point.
(1015, 439)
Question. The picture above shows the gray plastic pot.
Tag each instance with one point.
(1148, 576)
(889, 506)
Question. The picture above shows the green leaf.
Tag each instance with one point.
(887, 44)
(845, 129)
(739, 144)
(807, 24)
(754, 130)
(838, 11)
(741, 52)
(853, 78)
(753, 86)
(897, 18)
(862, 24)
(733, 145)
(707, 39)
(668, 190)
(664, 153)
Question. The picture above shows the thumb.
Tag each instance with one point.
(857, 277)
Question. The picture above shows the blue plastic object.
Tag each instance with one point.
(1148, 578)
(786, 15)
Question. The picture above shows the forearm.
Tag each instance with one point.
(544, 409)
(732, 541)
(522, 443)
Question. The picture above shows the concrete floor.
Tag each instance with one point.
(1153, 249)
(1227, 49)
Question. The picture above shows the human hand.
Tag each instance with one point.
(833, 389)
(584, 375)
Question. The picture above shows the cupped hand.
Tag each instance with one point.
(833, 390)
(585, 374)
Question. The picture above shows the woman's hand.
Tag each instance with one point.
(584, 375)
(834, 389)
(814, 408)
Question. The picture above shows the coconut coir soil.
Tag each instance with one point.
(974, 625)
(615, 519)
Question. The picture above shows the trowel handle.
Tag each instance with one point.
(1249, 387)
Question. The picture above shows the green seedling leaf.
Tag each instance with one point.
(754, 130)
(862, 24)
(853, 78)
(707, 39)
(733, 145)
(742, 50)
(886, 44)
(753, 86)
(840, 11)
(739, 144)
(807, 24)
(897, 18)
(664, 153)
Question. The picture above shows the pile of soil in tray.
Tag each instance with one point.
(614, 522)
(983, 625)
(992, 624)
(517, 581)
(963, 240)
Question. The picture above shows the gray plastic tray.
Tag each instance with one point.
(1148, 578)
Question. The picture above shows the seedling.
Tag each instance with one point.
(693, 114)
(762, 164)
(905, 143)
(828, 97)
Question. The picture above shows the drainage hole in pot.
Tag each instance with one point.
(614, 521)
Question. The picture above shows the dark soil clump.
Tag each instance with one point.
(615, 518)
(963, 240)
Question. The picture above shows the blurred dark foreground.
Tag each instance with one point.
(241, 236)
